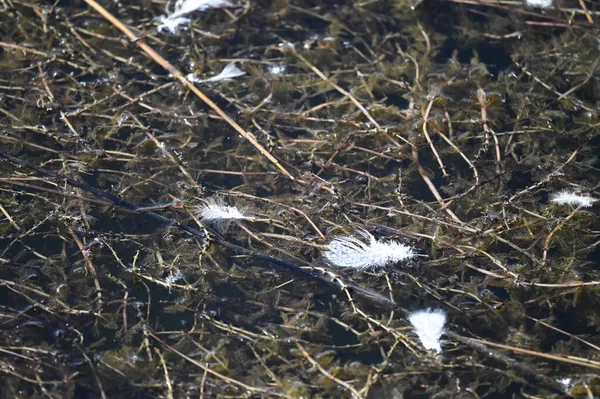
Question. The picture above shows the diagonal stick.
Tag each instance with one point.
(179, 76)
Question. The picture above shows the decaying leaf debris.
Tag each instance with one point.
(444, 125)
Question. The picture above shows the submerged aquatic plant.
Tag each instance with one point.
(570, 197)
(429, 326)
(457, 130)
(356, 254)
(214, 210)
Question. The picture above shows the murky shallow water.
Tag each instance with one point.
(446, 128)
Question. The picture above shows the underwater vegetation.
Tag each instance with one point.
(299, 198)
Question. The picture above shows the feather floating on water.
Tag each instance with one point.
(570, 197)
(216, 211)
(429, 326)
(229, 72)
(539, 3)
(183, 7)
(354, 253)
(173, 21)
(174, 277)
(171, 24)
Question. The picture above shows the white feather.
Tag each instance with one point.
(354, 253)
(216, 211)
(183, 7)
(173, 21)
(230, 71)
(539, 3)
(429, 326)
(569, 197)
(174, 277)
(276, 69)
(171, 24)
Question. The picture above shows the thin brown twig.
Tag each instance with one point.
(432, 188)
(314, 226)
(89, 265)
(550, 238)
(560, 358)
(314, 363)
(464, 157)
(208, 370)
(564, 332)
(166, 371)
(586, 12)
(179, 76)
(482, 98)
(320, 74)
(10, 218)
(541, 182)
(424, 128)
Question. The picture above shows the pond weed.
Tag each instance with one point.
(441, 125)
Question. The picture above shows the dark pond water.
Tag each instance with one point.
(443, 127)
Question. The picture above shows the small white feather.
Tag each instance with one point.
(276, 69)
(229, 72)
(173, 21)
(539, 3)
(174, 277)
(569, 197)
(183, 7)
(354, 253)
(429, 326)
(172, 25)
(216, 211)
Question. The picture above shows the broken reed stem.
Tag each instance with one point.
(482, 98)
(334, 85)
(326, 373)
(550, 238)
(432, 187)
(543, 181)
(582, 362)
(464, 157)
(166, 372)
(586, 12)
(89, 266)
(208, 370)
(303, 214)
(10, 219)
(433, 149)
(575, 337)
(179, 76)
